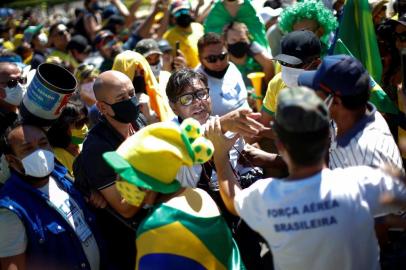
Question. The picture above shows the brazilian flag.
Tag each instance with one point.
(378, 97)
(171, 239)
(357, 32)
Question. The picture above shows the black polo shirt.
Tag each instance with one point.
(90, 169)
(93, 173)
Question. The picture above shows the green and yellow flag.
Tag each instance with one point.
(357, 32)
(378, 97)
(171, 239)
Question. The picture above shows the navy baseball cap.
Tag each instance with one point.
(340, 75)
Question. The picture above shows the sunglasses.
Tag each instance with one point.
(213, 58)
(13, 82)
(187, 99)
(108, 42)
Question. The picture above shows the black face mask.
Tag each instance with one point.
(239, 49)
(139, 84)
(216, 74)
(126, 111)
(184, 20)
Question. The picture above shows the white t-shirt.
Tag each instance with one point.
(368, 143)
(227, 94)
(13, 239)
(321, 222)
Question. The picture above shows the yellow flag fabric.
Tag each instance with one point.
(128, 62)
(187, 42)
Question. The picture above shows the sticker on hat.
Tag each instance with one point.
(151, 158)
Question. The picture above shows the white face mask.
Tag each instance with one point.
(156, 69)
(43, 39)
(290, 75)
(87, 89)
(39, 163)
(15, 95)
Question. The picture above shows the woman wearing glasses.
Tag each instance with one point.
(227, 88)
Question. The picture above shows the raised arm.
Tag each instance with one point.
(227, 180)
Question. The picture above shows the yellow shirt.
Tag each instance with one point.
(187, 42)
(64, 57)
(274, 88)
(65, 158)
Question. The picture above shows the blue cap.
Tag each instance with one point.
(340, 75)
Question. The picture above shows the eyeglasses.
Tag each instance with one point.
(187, 99)
(13, 82)
(213, 58)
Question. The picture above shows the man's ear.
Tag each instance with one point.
(101, 106)
(337, 101)
(319, 32)
(173, 107)
(13, 162)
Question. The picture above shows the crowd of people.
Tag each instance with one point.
(217, 134)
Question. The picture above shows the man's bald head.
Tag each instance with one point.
(109, 83)
(8, 68)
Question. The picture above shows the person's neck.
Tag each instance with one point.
(33, 181)
(61, 48)
(122, 128)
(186, 29)
(166, 197)
(238, 61)
(298, 172)
(8, 107)
(40, 183)
(232, 7)
(41, 49)
(348, 119)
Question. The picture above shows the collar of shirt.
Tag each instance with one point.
(344, 140)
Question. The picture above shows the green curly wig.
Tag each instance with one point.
(313, 10)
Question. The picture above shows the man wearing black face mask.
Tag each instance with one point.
(227, 88)
(121, 118)
(185, 31)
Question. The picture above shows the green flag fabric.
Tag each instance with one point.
(378, 97)
(220, 17)
(358, 34)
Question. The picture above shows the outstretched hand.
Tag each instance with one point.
(242, 121)
(221, 143)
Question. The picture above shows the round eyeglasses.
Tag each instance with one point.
(187, 99)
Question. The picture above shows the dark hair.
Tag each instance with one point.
(304, 148)
(273, 4)
(357, 101)
(53, 27)
(234, 25)
(181, 79)
(209, 39)
(58, 134)
(5, 146)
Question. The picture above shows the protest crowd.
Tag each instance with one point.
(203, 134)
